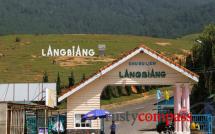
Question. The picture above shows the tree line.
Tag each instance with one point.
(108, 92)
(59, 87)
(202, 61)
(158, 18)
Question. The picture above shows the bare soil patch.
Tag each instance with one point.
(163, 43)
(77, 61)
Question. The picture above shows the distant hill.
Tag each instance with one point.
(158, 18)
(21, 57)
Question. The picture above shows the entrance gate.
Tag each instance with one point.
(140, 66)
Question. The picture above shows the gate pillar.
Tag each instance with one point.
(182, 100)
(177, 106)
(186, 97)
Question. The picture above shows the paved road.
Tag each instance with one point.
(131, 127)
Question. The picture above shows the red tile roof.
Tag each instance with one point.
(124, 55)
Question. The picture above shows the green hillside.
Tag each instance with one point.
(21, 60)
(158, 18)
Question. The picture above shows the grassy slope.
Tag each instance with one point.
(18, 65)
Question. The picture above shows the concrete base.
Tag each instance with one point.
(83, 131)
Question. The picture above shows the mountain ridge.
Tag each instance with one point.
(138, 17)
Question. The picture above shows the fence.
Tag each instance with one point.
(213, 124)
(204, 121)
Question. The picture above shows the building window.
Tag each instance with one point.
(80, 123)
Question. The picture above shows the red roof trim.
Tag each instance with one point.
(126, 54)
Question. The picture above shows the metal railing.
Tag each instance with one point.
(204, 121)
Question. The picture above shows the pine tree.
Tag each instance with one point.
(203, 61)
(114, 91)
(128, 89)
(106, 93)
(189, 62)
(17, 39)
(83, 76)
(71, 80)
(58, 84)
(45, 77)
(139, 89)
(124, 91)
(119, 88)
(103, 95)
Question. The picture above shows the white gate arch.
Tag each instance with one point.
(140, 66)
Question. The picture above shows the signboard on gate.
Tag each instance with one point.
(148, 72)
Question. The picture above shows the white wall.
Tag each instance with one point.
(88, 98)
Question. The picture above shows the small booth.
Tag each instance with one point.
(19, 118)
(27, 107)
